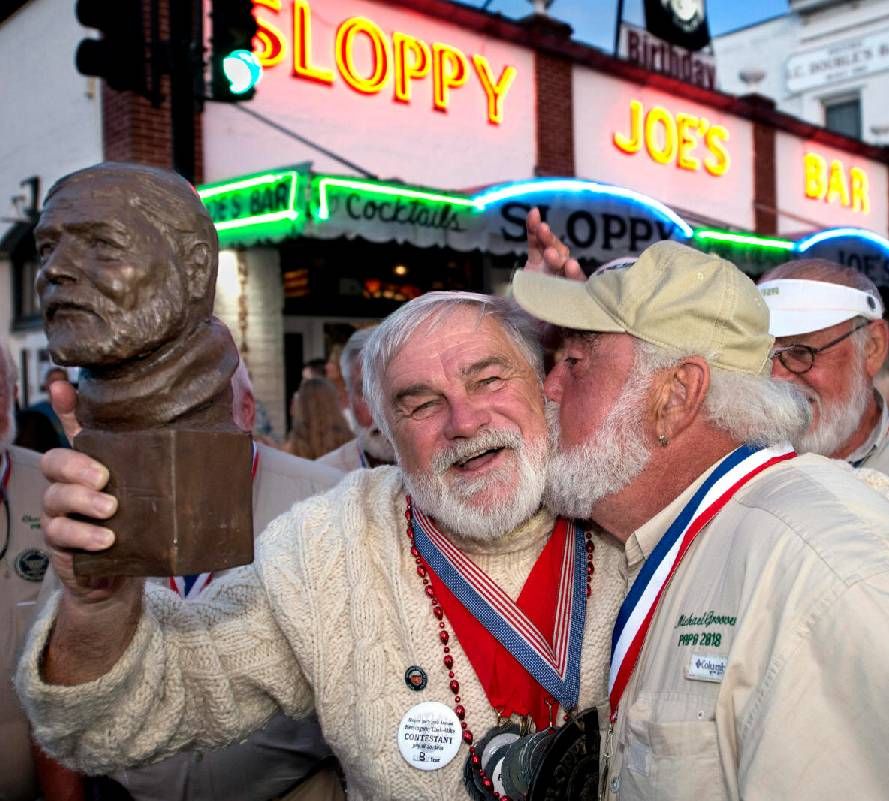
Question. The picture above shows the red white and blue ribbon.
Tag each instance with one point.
(641, 603)
(190, 586)
(555, 667)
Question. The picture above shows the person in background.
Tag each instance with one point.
(23, 563)
(831, 342)
(38, 427)
(318, 426)
(370, 448)
(333, 373)
(315, 368)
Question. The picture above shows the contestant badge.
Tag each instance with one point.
(429, 735)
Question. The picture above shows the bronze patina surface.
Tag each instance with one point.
(126, 284)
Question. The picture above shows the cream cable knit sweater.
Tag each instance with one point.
(329, 617)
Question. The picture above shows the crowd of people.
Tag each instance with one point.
(623, 536)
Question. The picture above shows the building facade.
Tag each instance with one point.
(826, 62)
(394, 147)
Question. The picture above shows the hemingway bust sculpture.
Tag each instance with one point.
(126, 284)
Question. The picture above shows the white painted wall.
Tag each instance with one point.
(265, 323)
(52, 122)
(769, 45)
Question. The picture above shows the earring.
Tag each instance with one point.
(662, 440)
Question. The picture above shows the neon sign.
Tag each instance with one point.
(707, 235)
(843, 233)
(377, 201)
(832, 183)
(263, 205)
(572, 186)
(688, 141)
(399, 59)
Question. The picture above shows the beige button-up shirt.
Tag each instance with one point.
(21, 573)
(874, 453)
(764, 675)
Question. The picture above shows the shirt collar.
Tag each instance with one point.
(877, 435)
(643, 540)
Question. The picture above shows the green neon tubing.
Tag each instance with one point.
(747, 240)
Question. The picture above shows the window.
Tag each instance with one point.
(843, 116)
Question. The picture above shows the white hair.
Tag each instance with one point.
(754, 409)
(351, 354)
(435, 308)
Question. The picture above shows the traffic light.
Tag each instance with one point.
(234, 69)
(118, 55)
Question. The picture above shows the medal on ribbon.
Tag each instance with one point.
(638, 609)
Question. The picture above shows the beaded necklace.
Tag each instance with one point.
(448, 658)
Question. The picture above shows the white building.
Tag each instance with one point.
(52, 126)
(825, 61)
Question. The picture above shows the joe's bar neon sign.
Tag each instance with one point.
(397, 58)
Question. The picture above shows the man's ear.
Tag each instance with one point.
(198, 270)
(877, 346)
(680, 396)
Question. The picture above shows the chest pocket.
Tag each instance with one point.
(670, 751)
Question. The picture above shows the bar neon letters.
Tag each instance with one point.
(832, 183)
(397, 58)
(685, 140)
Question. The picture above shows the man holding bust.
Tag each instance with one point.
(127, 280)
(353, 606)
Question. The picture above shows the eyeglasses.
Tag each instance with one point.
(799, 359)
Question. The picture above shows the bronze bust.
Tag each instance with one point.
(127, 281)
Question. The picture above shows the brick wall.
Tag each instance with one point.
(134, 130)
(554, 92)
(765, 177)
(555, 115)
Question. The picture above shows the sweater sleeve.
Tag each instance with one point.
(200, 673)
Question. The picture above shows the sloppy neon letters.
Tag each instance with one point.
(688, 141)
(832, 183)
(398, 60)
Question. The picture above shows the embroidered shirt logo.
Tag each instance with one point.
(707, 667)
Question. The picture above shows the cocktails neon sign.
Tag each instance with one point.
(399, 59)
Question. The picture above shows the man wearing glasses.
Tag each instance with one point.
(831, 340)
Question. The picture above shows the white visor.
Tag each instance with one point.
(798, 307)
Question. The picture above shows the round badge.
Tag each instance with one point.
(429, 735)
(31, 564)
(415, 678)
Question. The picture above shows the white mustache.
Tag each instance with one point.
(462, 450)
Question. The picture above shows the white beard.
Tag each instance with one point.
(838, 421)
(579, 477)
(372, 441)
(492, 505)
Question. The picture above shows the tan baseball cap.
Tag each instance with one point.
(672, 296)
